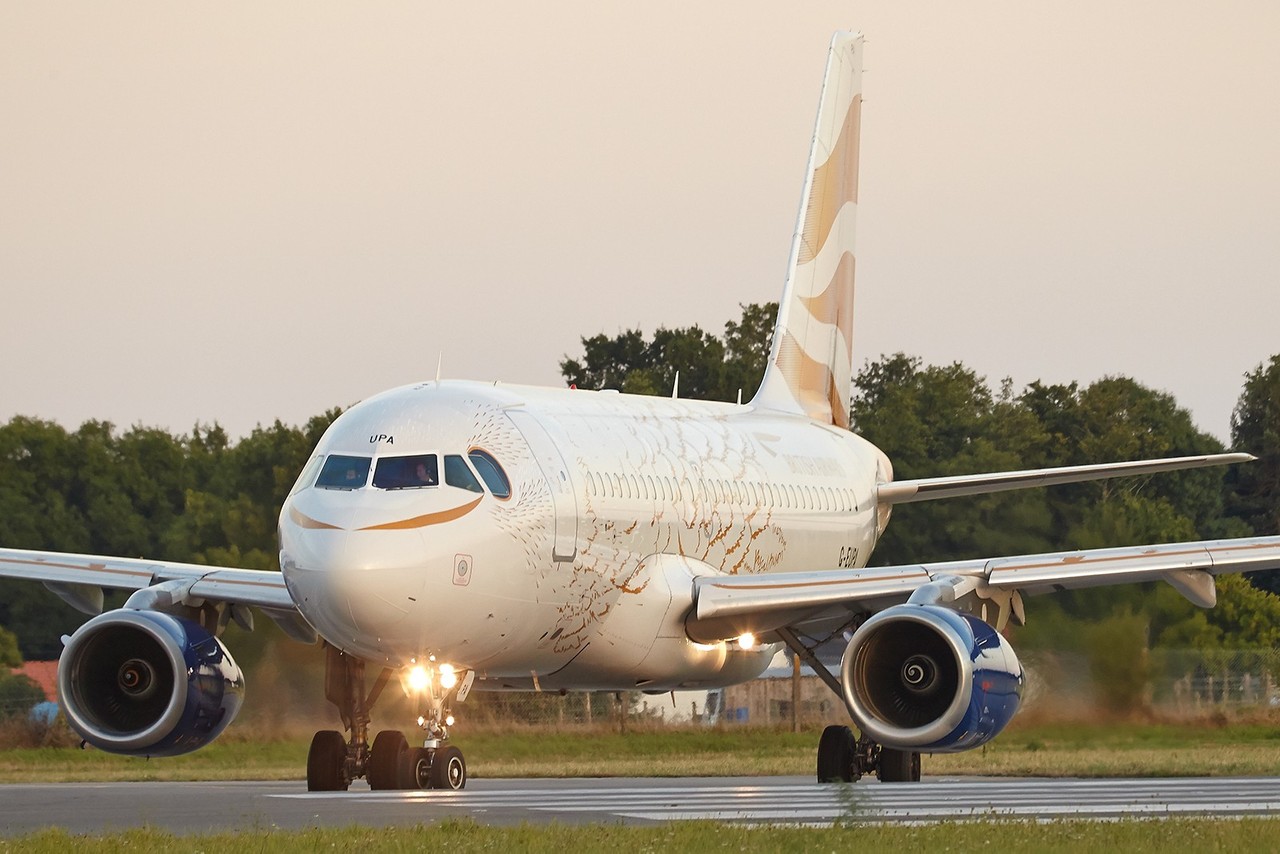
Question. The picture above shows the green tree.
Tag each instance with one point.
(1119, 661)
(18, 694)
(944, 420)
(1255, 427)
(1254, 489)
(144, 493)
(10, 657)
(746, 348)
(710, 368)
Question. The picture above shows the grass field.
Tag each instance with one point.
(1058, 749)
(464, 835)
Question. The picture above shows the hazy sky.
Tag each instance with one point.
(244, 211)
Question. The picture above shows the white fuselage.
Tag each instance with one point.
(582, 577)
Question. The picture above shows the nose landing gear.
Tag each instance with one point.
(334, 762)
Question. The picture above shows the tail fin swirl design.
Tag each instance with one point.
(811, 357)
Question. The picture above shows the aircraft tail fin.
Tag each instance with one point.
(811, 357)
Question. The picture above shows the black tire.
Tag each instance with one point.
(388, 761)
(419, 768)
(898, 766)
(835, 755)
(448, 769)
(326, 763)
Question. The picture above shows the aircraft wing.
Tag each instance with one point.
(929, 488)
(729, 606)
(81, 579)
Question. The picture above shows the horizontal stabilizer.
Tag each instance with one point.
(930, 488)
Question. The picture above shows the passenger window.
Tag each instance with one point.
(308, 474)
(491, 473)
(412, 472)
(458, 473)
(343, 472)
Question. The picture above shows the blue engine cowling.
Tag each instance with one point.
(144, 683)
(930, 679)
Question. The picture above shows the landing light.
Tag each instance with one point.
(448, 721)
(448, 677)
(419, 679)
(747, 640)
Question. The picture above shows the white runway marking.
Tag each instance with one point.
(792, 803)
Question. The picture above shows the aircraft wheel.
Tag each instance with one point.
(835, 755)
(419, 768)
(326, 761)
(448, 769)
(388, 760)
(898, 766)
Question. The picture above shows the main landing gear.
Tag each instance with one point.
(841, 757)
(844, 759)
(389, 763)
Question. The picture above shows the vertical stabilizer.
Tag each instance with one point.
(811, 357)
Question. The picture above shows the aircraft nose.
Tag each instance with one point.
(354, 586)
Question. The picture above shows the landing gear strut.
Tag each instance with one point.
(841, 757)
(390, 763)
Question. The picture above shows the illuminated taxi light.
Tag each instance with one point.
(747, 641)
(448, 721)
(448, 676)
(419, 678)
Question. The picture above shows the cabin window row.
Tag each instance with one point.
(787, 496)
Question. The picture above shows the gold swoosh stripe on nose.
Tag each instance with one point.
(428, 519)
(307, 522)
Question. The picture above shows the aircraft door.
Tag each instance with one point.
(556, 471)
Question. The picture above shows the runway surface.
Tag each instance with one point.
(199, 807)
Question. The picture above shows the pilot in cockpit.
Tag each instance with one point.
(424, 476)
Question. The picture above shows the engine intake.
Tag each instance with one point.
(925, 677)
(145, 683)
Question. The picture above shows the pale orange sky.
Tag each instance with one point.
(244, 211)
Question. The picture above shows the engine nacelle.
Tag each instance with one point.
(930, 679)
(145, 683)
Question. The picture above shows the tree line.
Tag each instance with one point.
(200, 497)
(144, 492)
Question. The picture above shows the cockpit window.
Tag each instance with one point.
(492, 474)
(343, 472)
(458, 473)
(308, 474)
(407, 472)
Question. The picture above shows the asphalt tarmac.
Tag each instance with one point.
(202, 807)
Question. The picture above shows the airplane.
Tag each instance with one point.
(452, 536)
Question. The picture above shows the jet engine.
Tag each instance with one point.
(145, 683)
(930, 679)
